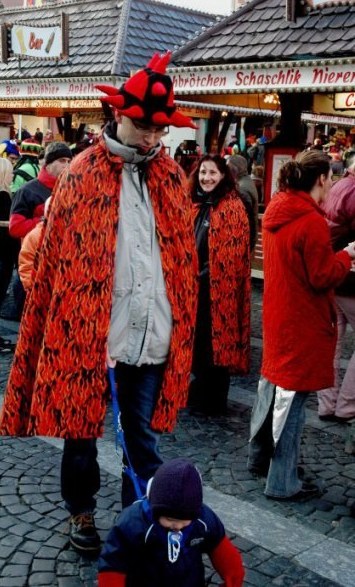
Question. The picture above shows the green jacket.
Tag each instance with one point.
(24, 172)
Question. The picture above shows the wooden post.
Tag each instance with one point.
(211, 140)
(222, 135)
(68, 131)
(291, 131)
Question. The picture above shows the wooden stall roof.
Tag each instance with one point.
(259, 31)
(106, 37)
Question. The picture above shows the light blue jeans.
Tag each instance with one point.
(281, 460)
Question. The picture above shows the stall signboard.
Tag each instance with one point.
(51, 88)
(40, 42)
(36, 42)
(194, 112)
(49, 105)
(323, 3)
(266, 77)
(327, 119)
(344, 101)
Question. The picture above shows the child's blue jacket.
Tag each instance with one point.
(138, 547)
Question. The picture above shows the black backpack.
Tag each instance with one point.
(21, 173)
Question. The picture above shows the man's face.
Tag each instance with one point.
(135, 134)
(57, 166)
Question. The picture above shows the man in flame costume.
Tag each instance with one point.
(115, 284)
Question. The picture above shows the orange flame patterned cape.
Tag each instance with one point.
(230, 284)
(57, 384)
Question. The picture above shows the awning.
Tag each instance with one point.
(243, 111)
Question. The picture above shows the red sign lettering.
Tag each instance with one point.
(35, 43)
(350, 101)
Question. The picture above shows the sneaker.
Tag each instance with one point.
(82, 533)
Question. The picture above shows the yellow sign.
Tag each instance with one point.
(69, 104)
(194, 112)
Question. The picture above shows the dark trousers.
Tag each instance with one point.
(209, 390)
(138, 389)
(19, 296)
(80, 475)
(6, 268)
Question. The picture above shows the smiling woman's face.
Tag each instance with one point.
(209, 176)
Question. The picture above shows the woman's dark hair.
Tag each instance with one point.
(302, 172)
(227, 183)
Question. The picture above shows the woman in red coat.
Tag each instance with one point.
(299, 320)
(222, 340)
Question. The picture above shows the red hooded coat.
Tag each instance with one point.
(57, 384)
(300, 272)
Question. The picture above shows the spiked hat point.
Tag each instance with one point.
(148, 96)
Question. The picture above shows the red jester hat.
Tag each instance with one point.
(148, 96)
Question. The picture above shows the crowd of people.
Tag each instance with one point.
(338, 145)
(128, 265)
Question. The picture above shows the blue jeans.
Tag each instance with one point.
(280, 461)
(138, 390)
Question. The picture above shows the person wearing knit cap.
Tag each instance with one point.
(28, 203)
(159, 540)
(116, 285)
(30, 147)
(27, 207)
(27, 166)
(9, 150)
(176, 491)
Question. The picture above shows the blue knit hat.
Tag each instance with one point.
(176, 491)
(9, 147)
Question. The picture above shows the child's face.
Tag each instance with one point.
(173, 524)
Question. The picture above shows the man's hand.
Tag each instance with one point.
(110, 362)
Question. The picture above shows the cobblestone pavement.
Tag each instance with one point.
(283, 544)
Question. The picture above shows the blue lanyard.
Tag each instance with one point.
(138, 484)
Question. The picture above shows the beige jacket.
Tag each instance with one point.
(29, 247)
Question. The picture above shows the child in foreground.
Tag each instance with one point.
(159, 541)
